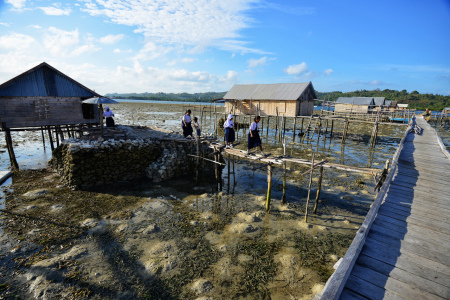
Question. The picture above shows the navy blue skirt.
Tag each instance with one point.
(255, 140)
(229, 135)
(187, 130)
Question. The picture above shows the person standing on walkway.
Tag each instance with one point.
(254, 139)
(198, 130)
(229, 132)
(186, 124)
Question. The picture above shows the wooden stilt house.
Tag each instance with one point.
(284, 99)
(44, 98)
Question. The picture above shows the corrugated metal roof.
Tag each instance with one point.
(356, 100)
(379, 100)
(44, 80)
(404, 105)
(277, 91)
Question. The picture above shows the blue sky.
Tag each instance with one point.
(209, 45)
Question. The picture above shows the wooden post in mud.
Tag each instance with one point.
(318, 131)
(309, 187)
(228, 174)
(301, 130)
(269, 186)
(284, 126)
(331, 131)
(10, 147)
(43, 138)
(215, 121)
(49, 131)
(344, 132)
(267, 130)
(198, 158)
(283, 198)
(295, 123)
(374, 135)
(61, 135)
(318, 190)
(276, 123)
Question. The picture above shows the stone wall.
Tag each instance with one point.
(86, 164)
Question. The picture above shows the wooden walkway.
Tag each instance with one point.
(402, 250)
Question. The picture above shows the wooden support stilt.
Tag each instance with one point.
(309, 187)
(61, 135)
(43, 138)
(276, 123)
(295, 123)
(301, 130)
(318, 130)
(267, 130)
(10, 147)
(332, 125)
(50, 136)
(344, 132)
(228, 173)
(283, 198)
(269, 186)
(318, 190)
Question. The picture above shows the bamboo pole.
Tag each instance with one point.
(269, 186)
(318, 190)
(309, 188)
(283, 198)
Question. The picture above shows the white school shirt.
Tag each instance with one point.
(254, 126)
(187, 118)
(197, 125)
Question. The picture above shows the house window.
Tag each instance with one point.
(88, 111)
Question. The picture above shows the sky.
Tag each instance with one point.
(173, 46)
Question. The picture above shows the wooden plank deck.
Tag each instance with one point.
(402, 251)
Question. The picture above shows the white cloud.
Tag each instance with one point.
(17, 4)
(187, 60)
(116, 50)
(296, 69)
(35, 26)
(198, 24)
(375, 82)
(5, 24)
(171, 63)
(66, 43)
(55, 11)
(111, 39)
(151, 51)
(16, 41)
(328, 72)
(253, 63)
(231, 77)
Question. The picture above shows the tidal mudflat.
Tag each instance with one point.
(185, 240)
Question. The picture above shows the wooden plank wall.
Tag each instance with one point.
(19, 112)
(288, 108)
(351, 108)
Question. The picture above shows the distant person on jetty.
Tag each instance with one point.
(427, 115)
(108, 114)
(229, 131)
(186, 124)
(253, 136)
(198, 130)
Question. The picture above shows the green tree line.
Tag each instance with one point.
(414, 99)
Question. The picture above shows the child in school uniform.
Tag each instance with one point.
(229, 131)
(186, 124)
(253, 136)
(197, 127)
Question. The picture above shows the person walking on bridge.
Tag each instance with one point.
(229, 132)
(253, 136)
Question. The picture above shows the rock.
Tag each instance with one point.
(334, 258)
(151, 229)
(30, 207)
(202, 286)
(317, 288)
(57, 208)
(35, 193)
(122, 228)
(243, 258)
(89, 223)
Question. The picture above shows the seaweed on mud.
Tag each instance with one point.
(315, 251)
(260, 270)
